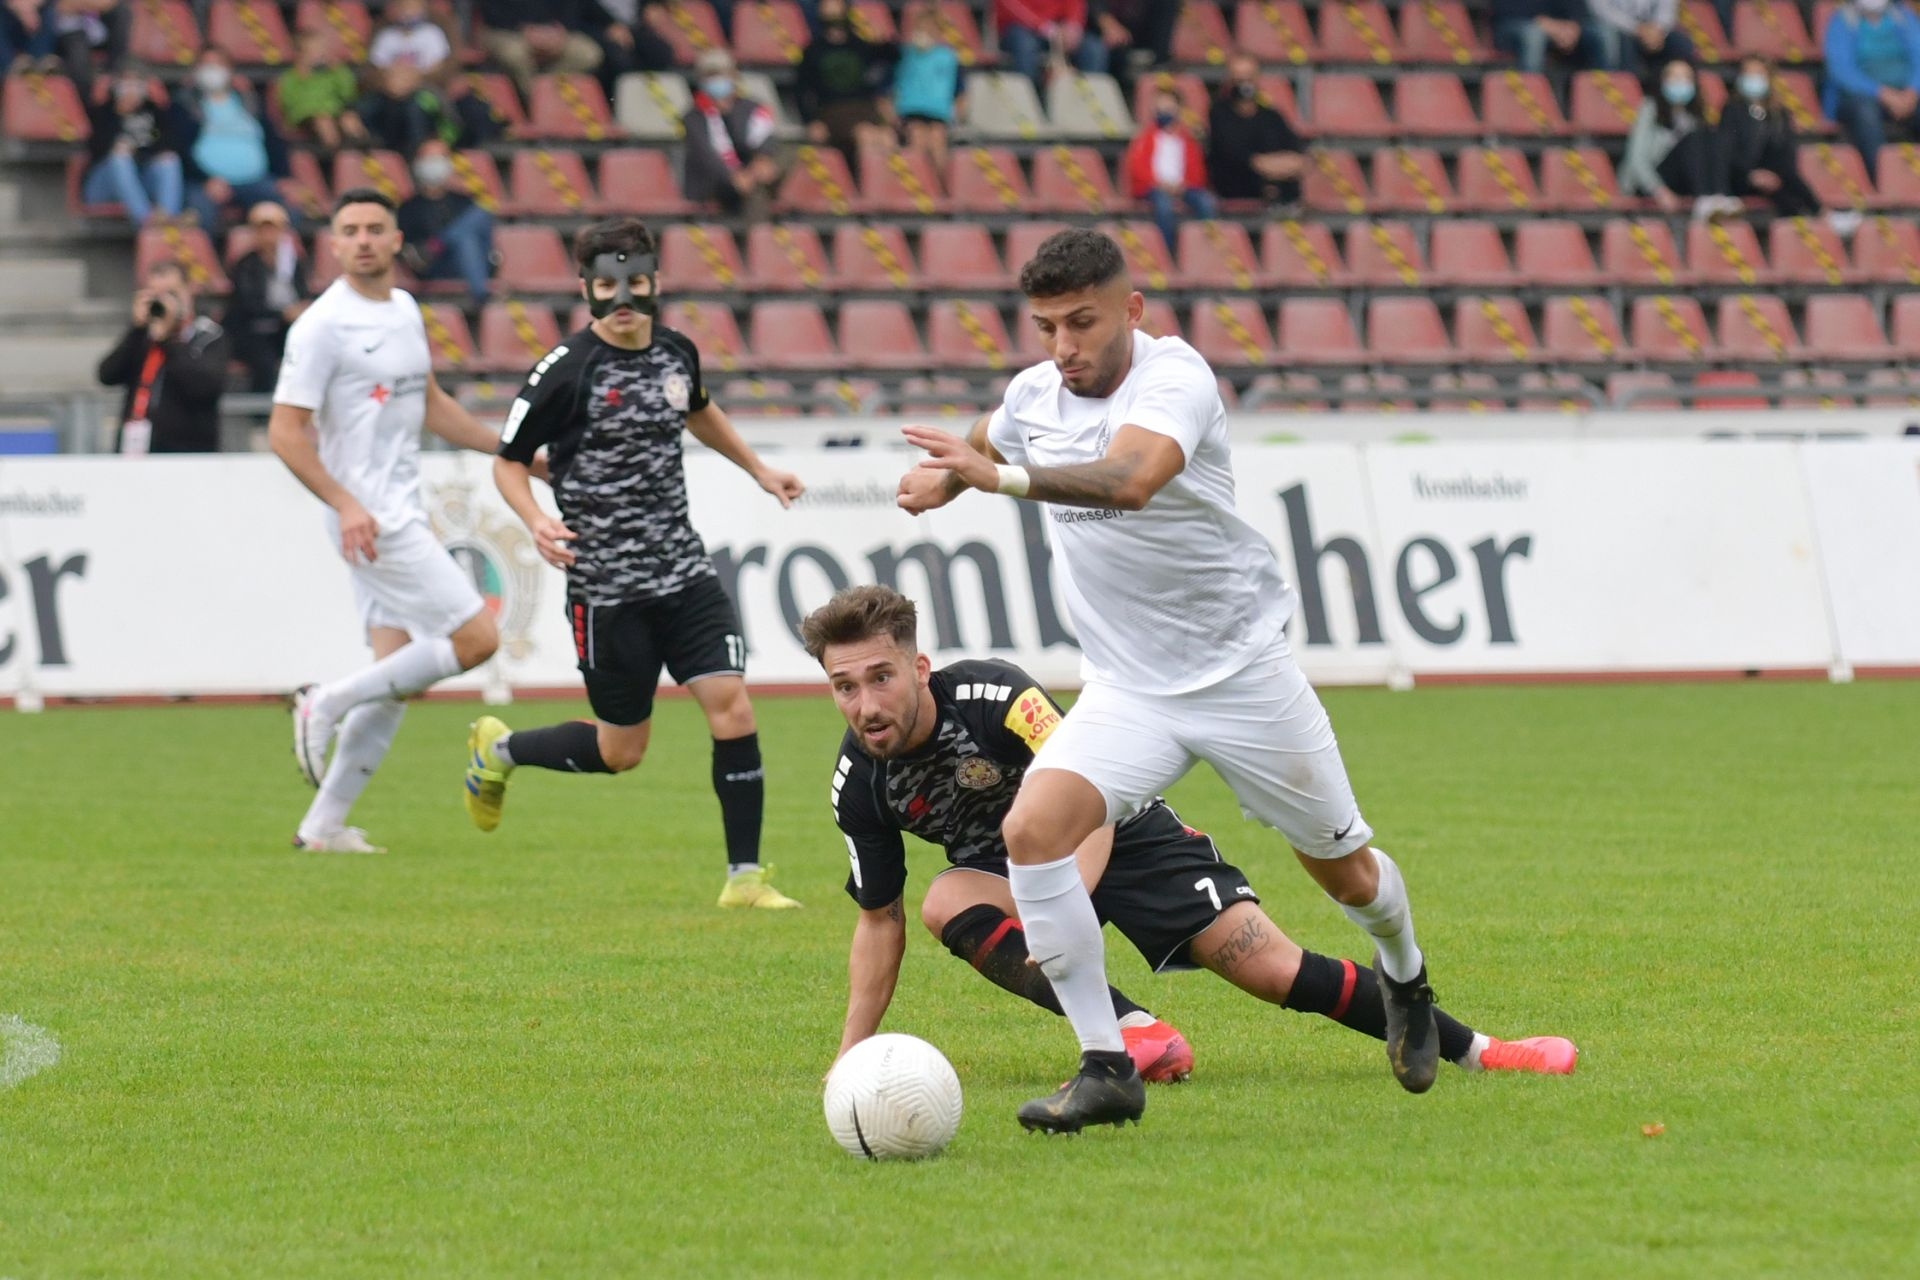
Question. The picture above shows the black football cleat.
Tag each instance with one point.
(1107, 1090)
(1413, 1042)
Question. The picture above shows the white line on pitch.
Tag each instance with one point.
(28, 1050)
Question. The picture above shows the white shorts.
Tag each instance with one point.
(414, 585)
(1262, 729)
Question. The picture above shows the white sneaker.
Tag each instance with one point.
(312, 735)
(345, 840)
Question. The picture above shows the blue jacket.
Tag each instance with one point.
(1843, 64)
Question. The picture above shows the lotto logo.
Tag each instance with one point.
(1032, 717)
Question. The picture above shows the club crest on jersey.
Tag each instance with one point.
(1032, 717)
(679, 391)
(977, 773)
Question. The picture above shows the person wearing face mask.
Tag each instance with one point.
(445, 235)
(1670, 153)
(135, 160)
(1164, 166)
(1873, 75)
(926, 88)
(1758, 151)
(841, 85)
(408, 35)
(1252, 152)
(232, 154)
(728, 159)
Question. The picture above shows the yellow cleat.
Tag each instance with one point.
(750, 889)
(486, 773)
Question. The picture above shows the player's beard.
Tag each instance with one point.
(903, 731)
(1102, 378)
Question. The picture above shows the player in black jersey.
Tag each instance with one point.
(941, 754)
(609, 405)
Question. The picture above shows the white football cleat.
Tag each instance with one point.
(345, 840)
(312, 735)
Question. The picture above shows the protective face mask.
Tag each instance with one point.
(719, 88)
(923, 42)
(1247, 90)
(1164, 118)
(1678, 92)
(1754, 88)
(432, 171)
(212, 79)
(618, 269)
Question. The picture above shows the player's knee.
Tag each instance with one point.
(622, 752)
(1027, 836)
(477, 641)
(934, 915)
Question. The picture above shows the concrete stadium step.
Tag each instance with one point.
(36, 283)
(11, 203)
(31, 365)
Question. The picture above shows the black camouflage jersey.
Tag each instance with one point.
(611, 420)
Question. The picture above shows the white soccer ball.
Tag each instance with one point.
(893, 1097)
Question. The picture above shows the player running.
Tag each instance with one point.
(942, 754)
(356, 386)
(611, 402)
(1180, 608)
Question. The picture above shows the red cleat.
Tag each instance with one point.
(1160, 1054)
(1537, 1055)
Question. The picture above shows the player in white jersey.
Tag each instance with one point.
(1181, 612)
(356, 387)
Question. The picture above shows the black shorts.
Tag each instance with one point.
(693, 633)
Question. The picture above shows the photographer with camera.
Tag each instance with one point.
(173, 364)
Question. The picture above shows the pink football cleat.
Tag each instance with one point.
(1539, 1055)
(1161, 1054)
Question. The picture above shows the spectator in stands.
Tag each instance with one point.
(1164, 166)
(1138, 33)
(1531, 29)
(1759, 152)
(405, 111)
(83, 28)
(1034, 33)
(926, 88)
(562, 40)
(408, 36)
(1670, 152)
(447, 235)
(728, 158)
(228, 146)
(1873, 74)
(841, 85)
(1638, 35)
(173, 364)
(633, 38)
(1252, 152)
(269, 293)
(316, 98)
(135, 160)
(25, 40)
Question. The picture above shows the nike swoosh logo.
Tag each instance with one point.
(1352, 822)
(1043, 963)
(375, 347)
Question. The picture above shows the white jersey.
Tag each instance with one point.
(362, 367)
(1179, 595)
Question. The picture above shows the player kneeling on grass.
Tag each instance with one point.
(941, 754)
(610, 404)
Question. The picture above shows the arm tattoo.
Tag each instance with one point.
(1085, 484)
(1250, 939)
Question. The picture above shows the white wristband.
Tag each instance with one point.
(1013, 481)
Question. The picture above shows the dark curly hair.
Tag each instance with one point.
(1072, 260)
(860, 613)
(612, 235)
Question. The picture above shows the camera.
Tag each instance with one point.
(156, 310)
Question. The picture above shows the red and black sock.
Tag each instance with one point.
(741, 783)
(572, 747)
(994, 943)
(1349, 993)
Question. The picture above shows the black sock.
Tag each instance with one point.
(1349, 993)
(994, 943)
(741, 784)
(571, 747)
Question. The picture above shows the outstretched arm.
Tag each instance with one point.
(873, 967)
(926, 487)
(1138, 464)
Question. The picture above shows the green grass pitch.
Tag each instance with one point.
(544, 1051)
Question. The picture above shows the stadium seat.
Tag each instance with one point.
(344, 23)
(1439, 31)
(502, 100)
(958, 28)
(1802, 102)
(697, 258)
(385, 171)
(550, 184)
(640, 180)
(1518, 104)
(1277, 92)
(1191, 90)
(1756, 327)
(769, 33)
(1469, 254)
(188, 246)
(1605, 103)
(1845, 326)
(1642, 253)
(251, 33)
(987, 180)
(164, 32)
(1557, 391)
(1726, 253)
(691, 28)
(1301, 255)
(1088, 107)
(1899, 174)
(873, 20)
(1358, 31)
(1283, 391)
(899, 182)
(1217, 255)
(873, 258)
(967, 335)
(648, 105)
(1316, 331)
(1581, 329)
(1025, 238)
(793, 335)
(921, 398)
(1003, 107)
(756, 398)
(1201, 35)
(1669, 328)
(1699, 21)
(879, 334)
(713, 330)
(449, 338)
(514, 336)
(532, 260)
(960, 256)
(1433, 104)
(1906, 325)
(475, 174)
(1713, 97)
(1333, 183)
(1363, 388)
(1626, 390)
(1231, 333)
(1385, 255)
(1407, 330)
(582, 315)
(1807, 251)
(569, 108)
(1275, 32)
(1554, 254)
(305, 188)
(41, 108)
(819, 182)
(1838, 177)
(1477, 393)
(1728, 378)
(785, 258)
(1349, 106)
(1073, 180)
(1823, 384)
(1496, 180)
(1887, 251)
(1148, 256)
(1578, 180)
(1494, 330)
(1772, 29)
(1905, 393)
(847, 396)
(1157, 320)
(1410, 180)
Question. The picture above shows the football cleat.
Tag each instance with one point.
(1099, 1094)
(1537, 1055)
(1413, 1042)
(345, 840)
(486, 773)
(753, 889)
(1160, 1054)
(312, 735)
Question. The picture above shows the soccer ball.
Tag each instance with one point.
(893, 1097)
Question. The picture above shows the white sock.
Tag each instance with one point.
(740, 868)
(1471, 1062)
(1063, 936)
(500, 751)
(1138, 1018)
(365, 735)
(1389, 921)
(400, 674)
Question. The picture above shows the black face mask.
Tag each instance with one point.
(1246, 91)
(620, 268)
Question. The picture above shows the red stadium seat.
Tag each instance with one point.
(1496, 180)
(1407, 330)
(385, 171)
(785, 258)
(1700, 22)
(899, 182)
(1581, 330)
(1478, 393)
(1385, 255)
(819, 182)
(1494, 330)
(1072, 180)
(344, 23)
(1195, 100)
(691, 28)
(1756, 327)
(1887, 251)
(1440, 31)
(250, 32)
(1156, 321)
(1726, 253)
(1807, 251)
(922, 398)
(1906, 325)
(843, 396)
(880, 335)
(756, 398)
(967, 335)
(1572, 390)
(791, 335)
(1358, 31)
(1410, 180)
(1275, 31)
(769, 33)
(305, 187)
(1370, 384)
(987, 180)
(1301, 255)
(957, 28)
(41, 108)
(1349, 106)
(1838, 177)
(1317, 331)
(1906, 395)
(475, 173)
(1201, 34)
(873, 20)
(1277, 92)
(1554, 254)
(532, 260)
(1669, 328)
(1605, 103)
(1282, 391)
(1641, 253)
(449, 338)
(1520, 105)
(1217, 255)
(1147, 254)
(1024, 240)
(710, 326)
(1818, 381)
(873, 258)
(960, 256)
(1578, 180)
(1622, 386)
(188, 246)
(696, 258)
(1772, 29)
(639, 180)
(1899, 173)
(514, 336)
(1728, 378)
(502, 100)
(1845, 326)
(164, 31)
(1433, 104)
(1802, 101)
(550, 184)
(1333, 183)
(570, 108)
(1469, 254)
(1231, 333)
